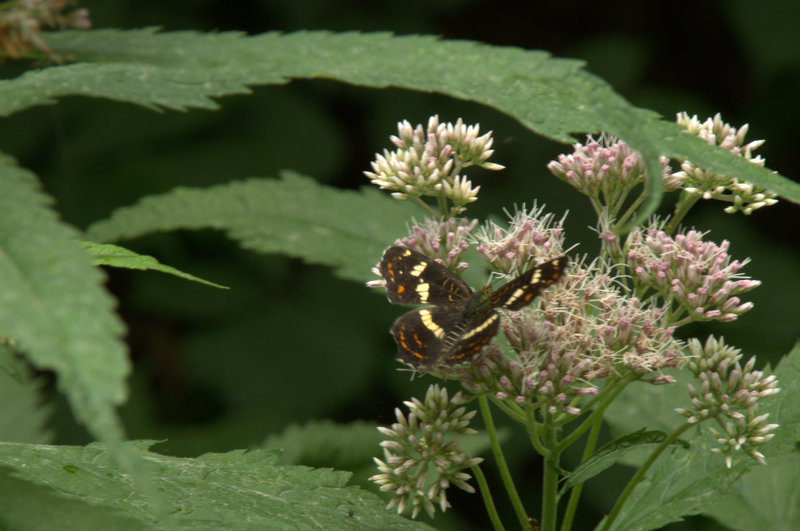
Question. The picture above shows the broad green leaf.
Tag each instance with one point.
(106, 254)
(784, 408)
(294, 215)
(554, 97)
(690, 482)
(768, 497)
(680, 483)
(54, 305)
(234, 490)
(612, 452)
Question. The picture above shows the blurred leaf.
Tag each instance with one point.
(106, 254)
(643, 405)
(553, 97)
(294, 215)
(325, 443)
(25, 421)
(55, 306)
(234, 490)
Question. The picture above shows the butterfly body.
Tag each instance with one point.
(458, 321)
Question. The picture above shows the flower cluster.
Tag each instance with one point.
(585, 329)
(419, 465)
(699, 276)
(21, 25)
(445, 241)
(745, 197)
(605, 169)
(530, 236)
(428, 162)
(729, 393)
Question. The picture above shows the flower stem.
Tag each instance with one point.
(425, 206)
(685, 203)
(550, 483)
(502, 466)
(486, 494)
(631, 209)
(614, 390)
(637, 477)
(575, 495)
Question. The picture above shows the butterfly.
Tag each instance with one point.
(458, 321)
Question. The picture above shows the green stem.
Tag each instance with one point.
(425, 206)
(575, 495)
(443, 210)
(486, 494)
(502, 466)
(685, 203)
(533, 433)
(637, 477)
(515, 413)
(628, 213)
(550, 482)
(596, 415)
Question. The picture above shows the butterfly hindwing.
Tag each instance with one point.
(428, 335)
(413, 278)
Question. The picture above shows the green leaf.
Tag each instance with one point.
(554, 97)
(684, 483)
(106, 254)
(55, 306)
(784, 408)
(234, 490)
(768, 497)
(26, 420)
(680, 483)
(643, 405)
(325, 443)
(612, 452)
(294, 215)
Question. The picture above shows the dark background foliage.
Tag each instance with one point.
(216, 370)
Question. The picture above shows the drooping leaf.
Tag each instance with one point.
(107, 254)
(234, 490)
(294, 215)
(554, 97)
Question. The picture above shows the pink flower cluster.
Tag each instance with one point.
(699, 276)
(530, 237)
(605, 166)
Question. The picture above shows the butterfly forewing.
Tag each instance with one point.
(522, 290)
(413, 278)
